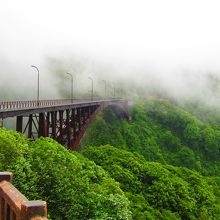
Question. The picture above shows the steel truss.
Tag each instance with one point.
(65, 126)
(61, 120)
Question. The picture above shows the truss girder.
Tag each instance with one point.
(66, 125)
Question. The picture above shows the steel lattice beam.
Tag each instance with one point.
(65, 123)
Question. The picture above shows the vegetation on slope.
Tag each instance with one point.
(165, 133)
(157, 191)
(161, 132)
(208, 113)
(164, 165)
(73, 186)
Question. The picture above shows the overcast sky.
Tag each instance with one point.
(165, 36)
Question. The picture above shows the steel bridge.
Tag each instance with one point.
(64, 120)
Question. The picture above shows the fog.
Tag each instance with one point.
(163, 48)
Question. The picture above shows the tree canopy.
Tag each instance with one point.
(164, 164)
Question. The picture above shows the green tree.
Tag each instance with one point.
(166, 189)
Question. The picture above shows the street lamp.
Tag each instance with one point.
(92, 87)
(71, 85)
(105, 86)
(38, 84)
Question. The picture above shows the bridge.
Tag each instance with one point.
(64, 120)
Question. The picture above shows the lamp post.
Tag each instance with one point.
(105, 86)
(92, 87)
(71, 85)
(38, 84)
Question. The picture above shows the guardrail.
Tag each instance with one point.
(13, 105)
(34, 103)
(15, 206)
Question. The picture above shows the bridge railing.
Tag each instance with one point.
(12, 105)
(34, 103)
(15, 206)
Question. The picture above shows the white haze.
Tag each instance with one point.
(170, 46)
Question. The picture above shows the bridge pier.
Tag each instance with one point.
(47, 124)
(53, 125)
(73, 122)
(61, 126)
(19, 124)
(30, 126)
(68, 126)
(41, 130)
(78, 118)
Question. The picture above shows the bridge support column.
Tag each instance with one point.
(41, 129)
(47, 124)
(78, 116)
(19, 123)
(73, 122)
(61, 126)
(83, 115)
(53, 120)
(68, 126)
(89, 112)
(30, 119)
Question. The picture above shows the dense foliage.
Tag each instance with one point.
(161, 132)
(162, 165)
(157, 191)
(73, 186)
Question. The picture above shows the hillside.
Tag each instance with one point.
(163, 132)
(162, 165)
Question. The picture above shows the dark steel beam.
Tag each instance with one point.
(53, 124)
(68, 126)
(41, 126)
(30, 119)
(73, 122)
(47, 129)
(78, 117)
(19, 123)
(61, 126)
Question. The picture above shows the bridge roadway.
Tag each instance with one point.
(64, 120)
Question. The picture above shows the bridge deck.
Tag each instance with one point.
(25, 108)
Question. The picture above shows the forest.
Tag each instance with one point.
(163, 164)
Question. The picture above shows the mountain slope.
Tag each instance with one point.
(163, 132)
